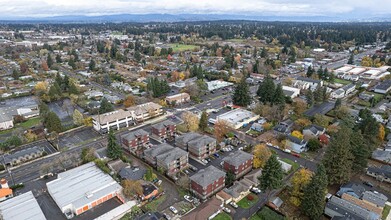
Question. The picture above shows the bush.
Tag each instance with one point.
(250, 197)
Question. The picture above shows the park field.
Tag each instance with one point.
(182, 47)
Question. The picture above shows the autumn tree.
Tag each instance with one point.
(321, 120)
(297, 134)
(41, 87)
(87, 155)
(272, 175)
(301, 123)
(313, 200)
(221, 128)
(129, 101)
(77, 117)
(132, 188)
(381, 132)
(299, 181)
(261, 154)
(190, 120)
(203, 121)
(299, 107)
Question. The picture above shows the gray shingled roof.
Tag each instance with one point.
(207, 176)
(384, 85)
(171, 155)
(157, 150)
(200, 142)
(237, 158)
(375, 198)
(9, 157)
(308, 79)
(383, 170)
(348, 209)
(163, 124)
(132, 135)
(296, 140)
(185, 138)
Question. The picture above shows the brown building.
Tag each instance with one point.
(164, 130)
(239, 163)
(135, 141)
(207, 182)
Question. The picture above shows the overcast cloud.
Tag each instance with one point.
(43, 8)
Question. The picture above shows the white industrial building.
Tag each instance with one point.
(80, 189)
(218, 84)
(21, 207)
(112, 120)
(237, 118)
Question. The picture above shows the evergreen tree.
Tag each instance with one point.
(263, 53)
(255, 67)
(113, 149)
(137, 56)
(255, 53)
(338, 103)
(313, 202)
(351, 59)
(52, 122)
(15, 74)
(272, 175)
(55, 91)
(49, 61)
(91, 65)
(361, 151)
(310, 97)
(320, 73)
(203, 124)
(105, 106)
(310, 72)
(266, 90)
(279, 96)
(241, 95)
(338, 159)
(58, 58)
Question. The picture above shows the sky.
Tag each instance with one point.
(341, 8)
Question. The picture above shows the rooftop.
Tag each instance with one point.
(163, 124)
(81, 185)
(134, 134)
(386, 84)
(207, 176)
(349, 209)
(22, 207)
(171, 155)
(199, 142)
(238, 158)
(9, 157)
(158, 149)
(112, 116)
(236, 116)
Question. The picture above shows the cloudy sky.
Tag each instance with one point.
(342, 8)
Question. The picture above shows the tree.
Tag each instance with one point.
(361, 150)
(77, 117)
(321, 120)
(310, 97)
(49, 61)
(149, 175)
(338, 103)
(381, 133)
(113, 149)
(190, 120)
(299, 107)
(297, 134)
(105, 106)
(241, 95)
(129, 101)
(221, 128)
(229, 178)
(92, 65)
(41, 87)
(351, 59)
(272, 175)
(310, 72)
(299, 182)
(137, 56)
(203, 121)
(261, 154)
(52, 122)
(313, 201)
(15, 74)
(279, 96)
(313, 144)
(266, 90)
(58, 58)
(87, 155)
(338, 159)
(302, 123)
(55, 91)
(132, 188)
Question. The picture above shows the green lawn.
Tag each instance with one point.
(386, 211)
(31, 122)
(182, 47)
(266, 214)
(342, 81)
(246, 204)
(295, 166)
(152, 206)
(222, 216)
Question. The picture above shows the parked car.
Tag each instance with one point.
(166, 216)
(173, 210)
(234, 205)
(216, 155)
(255, 190)
(208, 159)
(368, 183)
(195, 169)
(227, 210)
(188, 198)
(204, 161)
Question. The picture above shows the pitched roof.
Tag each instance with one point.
(346, 208)
(185, 138)
(112, 116)
(134, 134)
(157, 150)
(375, 198)
(200, 142)
(163, 124)
(308, 79)
(296, 140)
(205, 210)
(386, 84)
(207, 176)
(237, 158)
(5, 192)
(384, 170)
(171, 155)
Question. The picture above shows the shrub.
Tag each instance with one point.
(250, 197)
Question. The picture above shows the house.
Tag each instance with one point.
(150, 154)
(363, 204)
(202, 147)
(276, 203)
(291, 91)
(286, 167)
(206, 210)
(382, 173)
(352, 189)
(145, 111)
(22, 156)
(5, 191)
(337, 207)
(257, 127)
(252, 177)
(375, 197)
(178, 98)
(149, 191)
(283, 127)
(313, 131)
(237, 191)
(93, 94)
(239, 163)
(382, 156)
(384, 87)
(173, 161)
(132, 173)
(135, 140)
(224, 197)
(307, 83)
(112, 120)
(337, 94)
(207, 182)
(164, 130)
(296, 144)
(6, 121)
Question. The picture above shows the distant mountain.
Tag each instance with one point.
(143, 18)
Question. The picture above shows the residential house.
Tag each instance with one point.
(6, 122)
(207, 182)
(283, 127)
(145, 111)
(164, 130)
(150, 154)
(112, 120)
(375, 197)
(384, 87)
(206, 210)
(150, 191)
(363, 204)
(237, 191)
(296, 144)
(173, 161)
(5, 191)
(202, 147)
(93, 94)
(313, 131)
(337, 94)
(132, 173)
(135, 141)
(286, 167)
(178, 98)
(382, 156)
(257, 127)
(307, 83)
(239, 163)
(22, 156)
(291, 91)
(352, 189)
(337, 207)
(382, 173)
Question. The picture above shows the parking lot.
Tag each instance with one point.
(75, 138)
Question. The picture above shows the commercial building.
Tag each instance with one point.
(239, 163)
(6, 121)
(22, 156)
(135, 141)
(164, 130)
(21, 207)
(383, 87)
(207, 182)
(178, 98)
(77, 190)
(145, 111)
(238, 118)
(218, 84)
(112, 120)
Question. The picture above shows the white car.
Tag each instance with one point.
(227, 210)
(204, 161)
(173, 209)
(255, 190)
(188, 198)
(234, 205)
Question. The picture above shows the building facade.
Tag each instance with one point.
(207, 182)
(164, 130)
(135, 141)
(239, 163)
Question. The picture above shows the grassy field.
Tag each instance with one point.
(222, 216)
(182, 47)
(295, 166)
(152, 206)
(266, 214)
(342, 81)
(30, 123)
(386, 212)
(246, 204)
